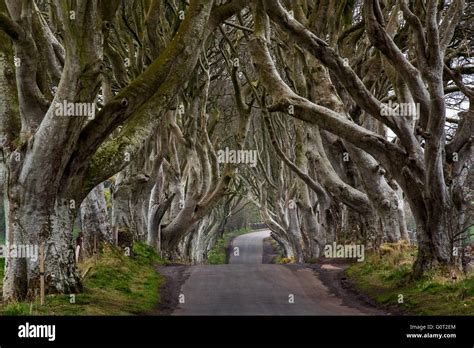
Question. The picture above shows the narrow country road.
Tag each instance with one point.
(248, 287)
(248, 248)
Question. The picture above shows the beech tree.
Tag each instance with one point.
(51, 163)
(418, 160)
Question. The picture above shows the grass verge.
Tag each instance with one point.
(218, 254)
(114, 284)
(387, 275)
(277, 256)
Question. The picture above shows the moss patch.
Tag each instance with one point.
(114, 284)
(387, 275)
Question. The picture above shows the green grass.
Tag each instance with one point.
(115, 284)
(385, 277)
(217, 255)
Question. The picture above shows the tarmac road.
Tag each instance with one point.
(249, 248)
(245, 286)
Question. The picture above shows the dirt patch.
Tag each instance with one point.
(175, 276)
(332, 274)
